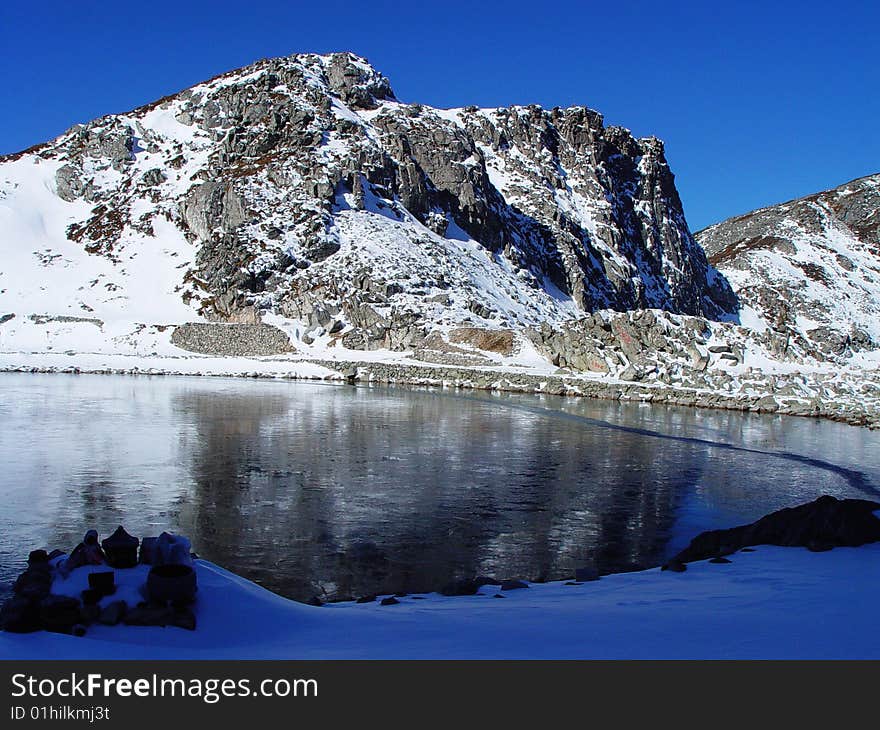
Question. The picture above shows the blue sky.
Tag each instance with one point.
(757, 102)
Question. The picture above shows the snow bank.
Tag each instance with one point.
(779, 603)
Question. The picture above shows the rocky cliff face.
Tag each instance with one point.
(807, 272)
(301, 187)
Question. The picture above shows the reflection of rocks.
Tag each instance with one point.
(400, 509)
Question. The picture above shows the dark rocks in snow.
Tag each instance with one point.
(121, 549)
(171, 583)
(513, 585)
(103, 582)
(149, 551)
(89, 613)
(59, 613)
(390, 601)
(148, 614)
(113, 613)
(38, 559)
(88, 552)
(819, 546)
(822, 524)
(460, 588)
(674, 566)
(720, 561)
(584, 575)
(34, 607)
(183, 618)
(91, 597)
(20, 615)
(366, 599)
(33, 584)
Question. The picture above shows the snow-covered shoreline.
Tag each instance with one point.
(847, 393)
(774, 603)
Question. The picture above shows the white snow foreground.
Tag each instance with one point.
(774, 603)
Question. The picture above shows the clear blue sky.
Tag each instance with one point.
(757, 102)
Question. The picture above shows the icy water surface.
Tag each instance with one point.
(336, 492)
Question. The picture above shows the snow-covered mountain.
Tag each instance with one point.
(296, 211)
(300, 188)
(807, 272)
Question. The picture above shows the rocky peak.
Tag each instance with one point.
(306, 189)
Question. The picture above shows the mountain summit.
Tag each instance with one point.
(302, 187)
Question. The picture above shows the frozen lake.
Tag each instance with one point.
(332, 491)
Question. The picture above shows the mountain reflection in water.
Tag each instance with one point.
(336, 492)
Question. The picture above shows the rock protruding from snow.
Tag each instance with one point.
(824, 524)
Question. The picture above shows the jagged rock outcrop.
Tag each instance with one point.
(306, 189)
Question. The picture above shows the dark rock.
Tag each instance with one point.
(59, 613)
(390, 601)
(33, 584)
(366, 599)
(584, 575)
(38, 558)
(418, 598)
(89, 613)
(460, 588)
(485, 580)
(675, 566)
(88, 552)
(573, 583)
(121, 549)
(146, 614)
(513, 585)
(401, 595)
(91, 596)
(149, 551)
(499, 595)
(103, 582)
(183, 619)
(315, 601)
(819, 546)
(720, 561)
(171, 583)
(20, 615)
(824, 523)
(747, 550)
(113, 613)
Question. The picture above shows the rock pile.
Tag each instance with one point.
(167, 594)
(236, 340)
